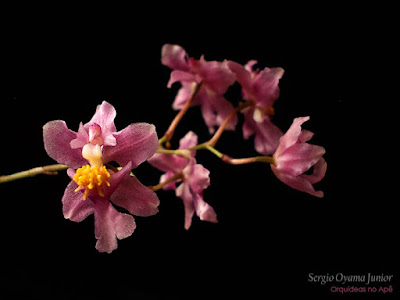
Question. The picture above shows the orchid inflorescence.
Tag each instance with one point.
(99, 159)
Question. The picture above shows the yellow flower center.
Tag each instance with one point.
(89, 178)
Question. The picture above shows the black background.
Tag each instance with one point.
(269, 237)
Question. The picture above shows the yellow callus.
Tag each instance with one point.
(90, 178)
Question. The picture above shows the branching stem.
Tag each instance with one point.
(164, 183)
(170, 132)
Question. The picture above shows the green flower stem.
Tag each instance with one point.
(233, 161)
(180, 152)
(242, 161)
(47, 170)
(213, 141)
(164, 183)
(214, 151)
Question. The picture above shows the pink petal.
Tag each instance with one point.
(204, 211)
(215, 109)
(318, 172)
(305, 136)
(74, 208)
(249, 125)
(71, 172)
(267, 137)
(138, 199)
(174, 56)
(188, 141)
(184, 192)
(168, 163)
(261, 87)
(250, 64)
(116, 179)
(82, 138)
(104, 117)
(265, 86)
(57, 138)
(183, 96)
(197, 177)
(110, 225)
(297, 182)
(291, 136)
(181, 76)
(298, 158)
(216, 75)
(243, 76)
(171, 185)
(136, 143)
(267, 134)
(191, 192)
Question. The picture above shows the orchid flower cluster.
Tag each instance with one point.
(99, 159)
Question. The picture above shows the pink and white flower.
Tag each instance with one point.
(194, 180)
(93, 186)
(294, 156)
(215, 76)
(261, 88)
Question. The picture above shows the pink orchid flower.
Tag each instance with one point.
(294, 156)
(195, 179)
(93, 186)
(215, 77)
(261, 88)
